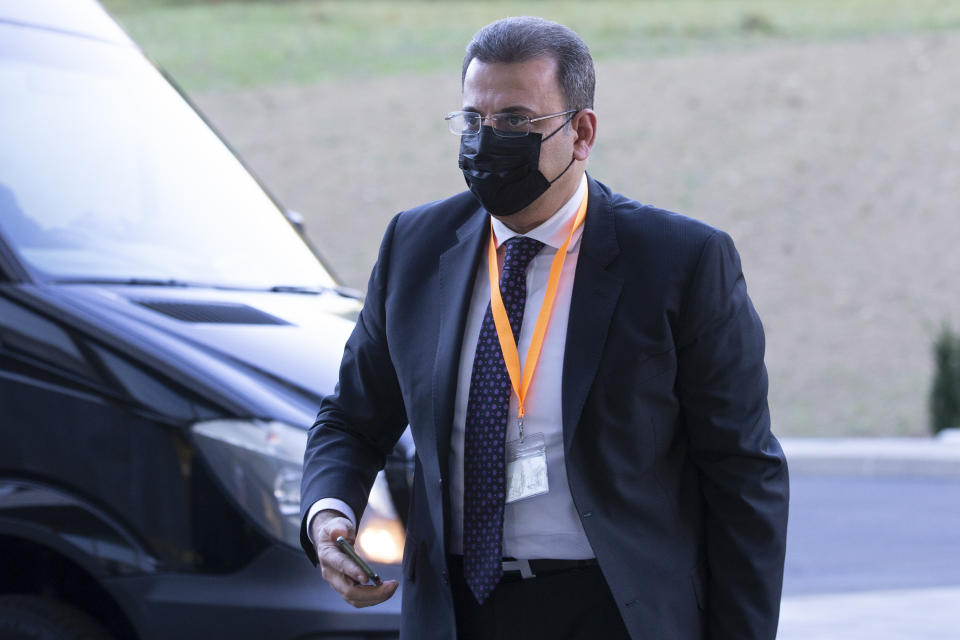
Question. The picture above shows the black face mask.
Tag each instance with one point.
(504, 173)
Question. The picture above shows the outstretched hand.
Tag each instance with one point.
(344, 575)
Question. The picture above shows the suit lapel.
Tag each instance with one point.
(595, 295)
(457, 269)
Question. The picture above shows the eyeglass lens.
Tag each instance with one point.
(504, 124)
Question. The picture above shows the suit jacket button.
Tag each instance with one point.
(443, 575)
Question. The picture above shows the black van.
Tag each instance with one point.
(166, 335)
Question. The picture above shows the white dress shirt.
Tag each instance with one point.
(547, 525)
(544, 526)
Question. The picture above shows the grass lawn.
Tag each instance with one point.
(209, 45)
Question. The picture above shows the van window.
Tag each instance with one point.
(107, 173)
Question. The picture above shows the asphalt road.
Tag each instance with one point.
(873, 558)
(868, 533)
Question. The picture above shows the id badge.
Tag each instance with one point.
(526, 468)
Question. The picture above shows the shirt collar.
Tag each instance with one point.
(552, 231)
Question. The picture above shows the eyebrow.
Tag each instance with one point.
(516, 109)
(511, 109)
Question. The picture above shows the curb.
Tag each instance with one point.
(928, 457)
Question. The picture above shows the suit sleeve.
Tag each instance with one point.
(359, 424)
(722, 386)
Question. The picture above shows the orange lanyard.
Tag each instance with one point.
(521, 383)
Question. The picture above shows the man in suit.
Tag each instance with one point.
(583, 377)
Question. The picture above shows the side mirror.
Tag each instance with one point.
(296, 219)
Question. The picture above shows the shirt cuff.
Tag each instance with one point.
(329, 503)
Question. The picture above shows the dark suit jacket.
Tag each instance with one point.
(681, 488)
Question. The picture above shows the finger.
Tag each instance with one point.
(326, 535)
(336, 527)
(368, 595)
(359, 595)
(332, 558)
(342, 584)
(326, 522)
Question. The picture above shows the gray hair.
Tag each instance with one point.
(524, 38)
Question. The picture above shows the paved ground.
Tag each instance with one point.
(906, 614)
(856, 533)
(874, 540)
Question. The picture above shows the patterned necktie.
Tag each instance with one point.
(488, 406)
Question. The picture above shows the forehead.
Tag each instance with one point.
(496, 86)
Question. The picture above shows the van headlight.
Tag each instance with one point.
(260, 464)
(381, 535)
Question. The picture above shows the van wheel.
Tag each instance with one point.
(35, 618)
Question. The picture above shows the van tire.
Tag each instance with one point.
(26, 617)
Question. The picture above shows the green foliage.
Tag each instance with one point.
(208, 44)
(945, 394)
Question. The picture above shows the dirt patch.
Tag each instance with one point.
(836, 169)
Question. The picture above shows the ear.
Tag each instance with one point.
(584, 126)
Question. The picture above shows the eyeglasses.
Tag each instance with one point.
(505, 125)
